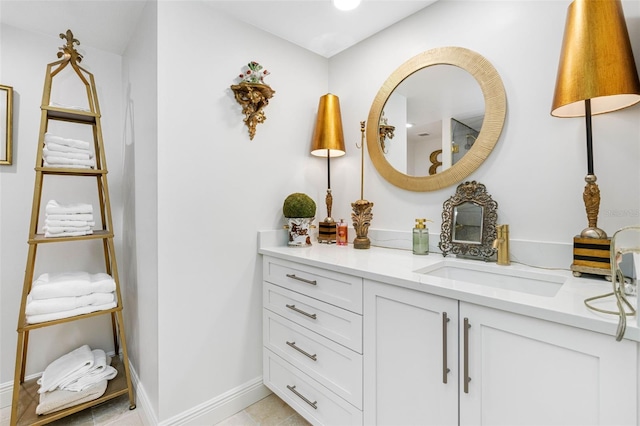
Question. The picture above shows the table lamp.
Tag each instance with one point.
(596, 75)
(328, 141)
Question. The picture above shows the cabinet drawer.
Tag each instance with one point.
(337, 324)
(309, 398)
(338, 289)
(334, 366)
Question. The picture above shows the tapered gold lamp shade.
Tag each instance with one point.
(596, 75)
(328, 141)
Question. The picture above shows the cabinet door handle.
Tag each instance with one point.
(293, 276)
(302, 351)
(467, 379)
(314, 404)
(300, 311)
(445, 369)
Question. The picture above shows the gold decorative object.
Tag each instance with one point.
(435, 163)
(6, 122)
(253, 95)
(386, 131)
(495, 111)
(596, 75)
(362, 214)
(328, 141)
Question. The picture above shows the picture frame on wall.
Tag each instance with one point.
(6, 124)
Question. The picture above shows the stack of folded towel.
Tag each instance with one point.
(66, 294)
(67, 153)
(77, 377)
(68, 220)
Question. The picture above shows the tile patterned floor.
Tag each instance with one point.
(270, 411)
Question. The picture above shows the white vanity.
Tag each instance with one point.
(365, 337)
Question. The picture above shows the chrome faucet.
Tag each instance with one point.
(502, 244)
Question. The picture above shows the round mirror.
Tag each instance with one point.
(455, 103)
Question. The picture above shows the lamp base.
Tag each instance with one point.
(591, 256)
(361, 217)
(327, 232)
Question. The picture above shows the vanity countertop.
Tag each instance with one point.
(398, 267)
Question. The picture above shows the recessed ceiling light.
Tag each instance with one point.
(346, 4)
(409, 125)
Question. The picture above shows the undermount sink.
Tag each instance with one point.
(492, 275)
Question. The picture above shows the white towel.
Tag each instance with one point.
(59, 304)
(61, 399)
(68, 284)
(60, 229)
(75, 143)
(59, 105)
(65, 166)
(68, 223)
(101, 371)
(63, 161)
(53, 207)
(68, 366)
(67, 234)
(35, 319)
(56, 147)
(87, 217)
(63, 154)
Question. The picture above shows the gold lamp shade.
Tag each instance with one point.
(596, 62)
(328, 139)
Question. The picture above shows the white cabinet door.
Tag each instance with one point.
(526, 371)
(406, 352)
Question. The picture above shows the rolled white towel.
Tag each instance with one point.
(70, 284)
(60, 304)
(63, 154)
(75, 143)
(86, 217)
(100, 371)
(69, 223)
(53, 207)
(71, 365)
(35, 319)
(57, 400)
(56, 147)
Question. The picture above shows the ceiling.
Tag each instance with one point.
(312, 24)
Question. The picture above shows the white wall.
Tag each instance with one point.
(536, 171)
(23, 63)
(139, 271)
(217, 188)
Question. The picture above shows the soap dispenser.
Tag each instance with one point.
(421, 237)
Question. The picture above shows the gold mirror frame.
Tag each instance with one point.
(495, 110)
(6, 126)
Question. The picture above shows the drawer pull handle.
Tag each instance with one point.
(314, 404)
(302, 351)
(445, 368)
(312, 282)
(467, 379)
(300, 311)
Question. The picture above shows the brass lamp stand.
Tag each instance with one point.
(596, 75)
(328, 141)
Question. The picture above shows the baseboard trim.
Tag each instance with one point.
(219, 408)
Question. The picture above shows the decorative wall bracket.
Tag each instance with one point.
(385, 131)
(253, 95)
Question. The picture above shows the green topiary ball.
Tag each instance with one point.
(299, 205)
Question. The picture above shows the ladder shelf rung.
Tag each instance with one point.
(41, 239)
(65, 114)
(70, 171)
(27, 327)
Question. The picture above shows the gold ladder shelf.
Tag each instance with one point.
(25, 396)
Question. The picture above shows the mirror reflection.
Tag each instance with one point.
(467, 223)
(438, 109)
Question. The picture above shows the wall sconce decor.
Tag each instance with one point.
(328, 141)
(6, 125)
(596, 75)
(386, 131)
(253, 95)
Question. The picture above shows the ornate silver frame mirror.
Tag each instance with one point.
(426, 71)
(469, 223)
